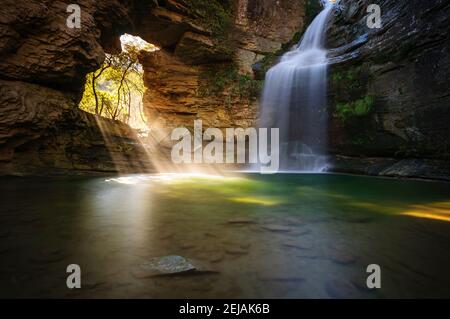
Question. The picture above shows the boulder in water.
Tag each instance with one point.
(167, 266)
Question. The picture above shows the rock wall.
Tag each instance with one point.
(43, 65)
(389, 92)
(202, 71)
(206, 73)
(42, 132)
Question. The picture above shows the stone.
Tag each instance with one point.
(52, 135)
(177, 87)
(405, 133)
(198, 49)
(44, 64)
(167, 266)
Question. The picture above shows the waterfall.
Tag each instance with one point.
(294, 100)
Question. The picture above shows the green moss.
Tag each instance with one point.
(216, 16)
(350, 79)
(214, 82)
(349, 88)
(248, 87)
(358, 108)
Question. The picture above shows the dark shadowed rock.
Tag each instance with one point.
(395, 79)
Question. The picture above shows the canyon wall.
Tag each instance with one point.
(43, 65)
(203, 70)
(207, 72)
(389, 89)
(389, 93)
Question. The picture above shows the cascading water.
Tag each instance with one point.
(294, 100)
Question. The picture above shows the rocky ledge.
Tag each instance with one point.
(389, 93)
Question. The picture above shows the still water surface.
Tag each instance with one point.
(281, 236)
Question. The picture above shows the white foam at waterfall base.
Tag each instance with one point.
(294, 100)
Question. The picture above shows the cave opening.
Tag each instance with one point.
(116, 90)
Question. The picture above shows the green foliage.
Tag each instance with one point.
(350, 79)
(116, 89)
(351, 97)
(358, 108)
(214, 82)
(217, 17)
(248, 87)
(228, 79)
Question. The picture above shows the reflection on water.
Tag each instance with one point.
(282, 236)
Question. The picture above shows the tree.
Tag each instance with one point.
(116, 90)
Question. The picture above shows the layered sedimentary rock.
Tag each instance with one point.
(389, 92)
(266, 26)
(42, 132)
(207, 72)
(37, 45)
(43, 65)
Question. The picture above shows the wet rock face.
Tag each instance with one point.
(198, 60)
(389, 91)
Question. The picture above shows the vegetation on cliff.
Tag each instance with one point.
(217, 17)
(115, 91)
(349, 87)
(215, 82)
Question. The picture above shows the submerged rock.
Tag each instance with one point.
(167, 266)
